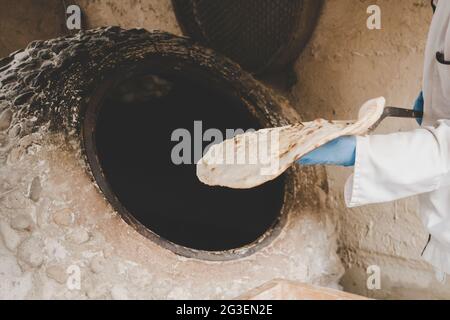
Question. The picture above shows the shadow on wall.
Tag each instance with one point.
(31, 20)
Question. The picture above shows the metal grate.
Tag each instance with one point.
(261, 35)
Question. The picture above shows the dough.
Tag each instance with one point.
(251, 159)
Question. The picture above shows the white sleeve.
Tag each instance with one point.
(394, 166)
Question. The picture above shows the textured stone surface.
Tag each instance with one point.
(35, 189)
(14, 284)
(64, 217)
(21, 222)
(57, 273)
(11, 238)
(98, 264)
(5, 119)
(78, 236)
(119, 292)
(31, 252)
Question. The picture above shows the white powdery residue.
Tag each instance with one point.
(21, 56)
(13, 283)
(55, 250)
(122, 268)
(47, 63)
(33, 214)
(43, 164)
(10, 237)
(119, 292)
(78, 236)
(88, 254)
(131, 263)
(178, 293)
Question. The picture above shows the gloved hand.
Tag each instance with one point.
(418, 106)
(338, 152)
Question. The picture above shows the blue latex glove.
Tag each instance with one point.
(338, 152)
(418, 106)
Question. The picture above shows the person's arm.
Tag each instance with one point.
(342, 151)
(398, 165)
(338, 152)
(393, 166)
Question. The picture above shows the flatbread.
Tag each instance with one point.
(254, 158)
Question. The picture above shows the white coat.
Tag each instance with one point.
(394, 166)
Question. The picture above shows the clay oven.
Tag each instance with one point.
(101, 105)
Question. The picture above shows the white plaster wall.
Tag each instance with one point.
(344, 65)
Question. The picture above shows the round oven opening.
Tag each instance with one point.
(133, 144)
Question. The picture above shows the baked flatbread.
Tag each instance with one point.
(251, 159)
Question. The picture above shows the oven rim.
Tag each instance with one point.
(166, 63)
